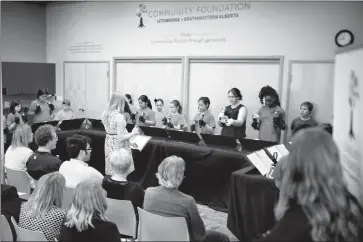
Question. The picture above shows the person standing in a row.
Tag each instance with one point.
(232, 119)
(41, 109)
(270, 118)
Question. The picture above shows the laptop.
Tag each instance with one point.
(71, 124)
(254, 145)
(37, 125)
(154, 132)
(219, 141)
(182, 136)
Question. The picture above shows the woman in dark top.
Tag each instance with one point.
(86, 220)
(314, 204)
(232, 119)
(117, 186)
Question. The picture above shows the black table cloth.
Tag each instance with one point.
(208, 170)
(251, 204)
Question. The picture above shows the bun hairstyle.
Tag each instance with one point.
(269, 91)
(41, 92)
(236, 92)
(176, 103)
(205, 100)
(158, 100)
(146, 100)
(129, 98)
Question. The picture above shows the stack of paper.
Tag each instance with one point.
(138, 142)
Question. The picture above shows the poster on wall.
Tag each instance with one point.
(348, 116)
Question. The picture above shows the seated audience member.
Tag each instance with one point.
(42, 162)
(314, 203)
(281, 165)
(43, 212)
(18, 153)
(306, 110)
(76, 169)
(117, 186)
(10, 205)
(66, 112)
(167, 200)
(86, 220)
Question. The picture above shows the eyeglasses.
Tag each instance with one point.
(89, 149)
(231, 96)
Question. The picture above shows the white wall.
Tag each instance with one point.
(296, 30)
(23, 32)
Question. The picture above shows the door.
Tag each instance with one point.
(86, 85)
(311, 81)
(97, 89)
(75, 87)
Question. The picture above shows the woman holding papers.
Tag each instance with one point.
(117, 136)
(232, 118)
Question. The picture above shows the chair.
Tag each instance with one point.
(122, 213)
(154, 227)
(27, 235)
(20, 180)
(6, 234)
(67, 198)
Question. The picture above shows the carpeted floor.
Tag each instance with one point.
(215, 220)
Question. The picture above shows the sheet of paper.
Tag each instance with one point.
(262, 164)
(138, 142)
(282, 149)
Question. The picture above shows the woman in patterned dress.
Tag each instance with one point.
(117, 136)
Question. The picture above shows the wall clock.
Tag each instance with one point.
(344, 38)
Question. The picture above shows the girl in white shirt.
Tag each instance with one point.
(18, 153)
(66, 112)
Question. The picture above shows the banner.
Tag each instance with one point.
(348, 116)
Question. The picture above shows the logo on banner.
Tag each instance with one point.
(140, 11)
(200, 12)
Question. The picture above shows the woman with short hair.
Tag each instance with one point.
(86, 220)
(167, 200)
(43, 212)
(314, 203)
(117, 186)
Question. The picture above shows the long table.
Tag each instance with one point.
(208, 169)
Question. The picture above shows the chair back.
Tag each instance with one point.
(67, 198)
(153, 227)
(20, 180)
(27, 235)
(122, 213)
(6, 234)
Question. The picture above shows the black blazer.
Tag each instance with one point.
(102, 231)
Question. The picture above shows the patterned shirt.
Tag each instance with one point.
(49, 225)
